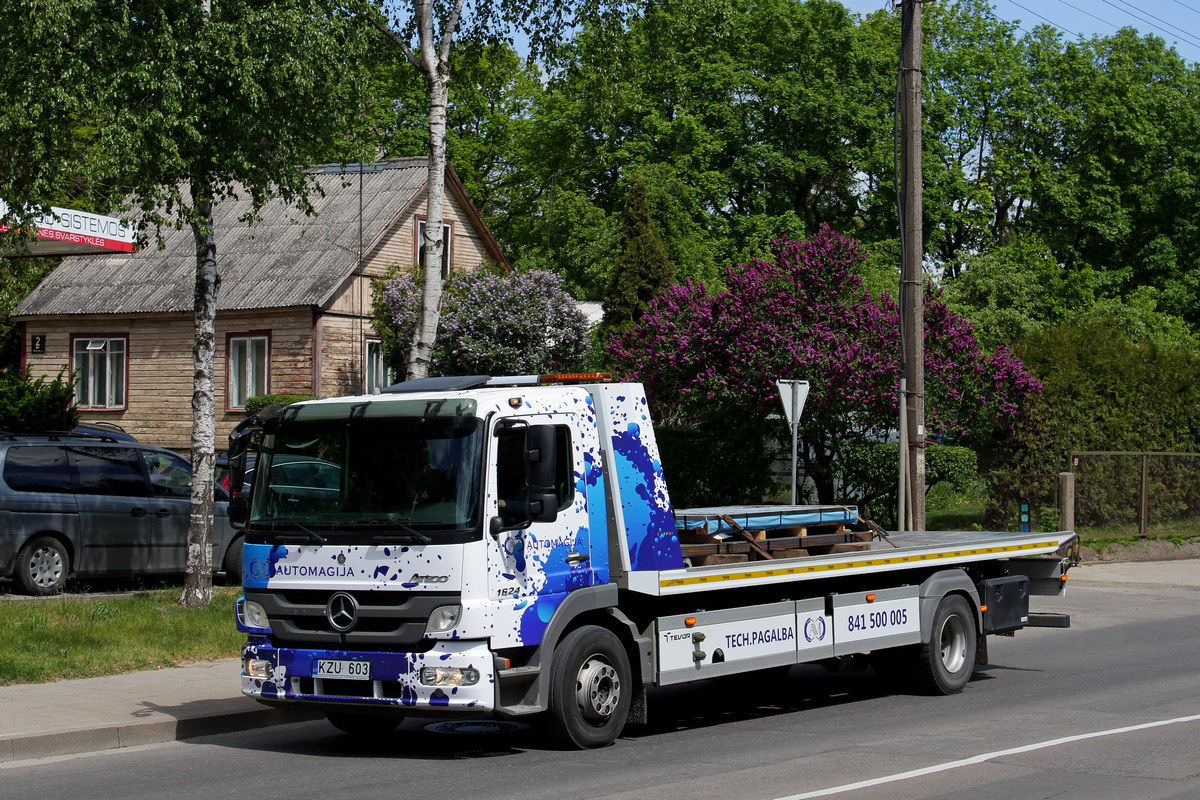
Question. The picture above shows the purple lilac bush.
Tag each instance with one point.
(497, 325)
(807, 316)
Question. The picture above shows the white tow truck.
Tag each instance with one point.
(504, 547)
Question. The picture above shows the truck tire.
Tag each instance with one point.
(591, 688)
(42, 566)
(363, 725)
(233, 562)
(946, 663)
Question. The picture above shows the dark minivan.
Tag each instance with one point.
(77, 504)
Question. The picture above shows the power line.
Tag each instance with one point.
(1185, 5)
(1047, 21)
(1187, 36)
(1090, 14)
(1182, 32)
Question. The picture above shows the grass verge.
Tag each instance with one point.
(78, 637)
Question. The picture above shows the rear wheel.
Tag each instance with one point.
(948, 660)
(591, 688)
(42, 566)
(364, 725)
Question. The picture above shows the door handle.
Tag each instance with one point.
(162, 513)
(138, 512)
(575, 557)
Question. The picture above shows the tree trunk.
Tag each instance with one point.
(438, 75)
(197, 586)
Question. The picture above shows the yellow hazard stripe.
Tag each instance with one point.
(831, 567)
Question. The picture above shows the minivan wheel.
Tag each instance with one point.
(42, 566)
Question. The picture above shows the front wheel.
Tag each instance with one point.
(591, 688)
(364, 725)
(42, 566)
(948, 660)
(233, 561)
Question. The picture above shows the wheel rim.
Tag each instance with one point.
(45, 566)
(597, 689)
(953, 641)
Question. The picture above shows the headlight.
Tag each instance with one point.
(443, 618)
(449, 676)
(257, 668)
(252, 615)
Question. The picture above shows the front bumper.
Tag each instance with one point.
(395, 678)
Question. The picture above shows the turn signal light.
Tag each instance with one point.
(690, 621)
(870, 598)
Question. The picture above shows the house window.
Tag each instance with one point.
(379, 375)
(447, 238)
(247, 369)
(99, 364)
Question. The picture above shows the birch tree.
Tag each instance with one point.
(424, 31)
(180, 104)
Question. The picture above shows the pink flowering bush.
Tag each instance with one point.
(807, 316)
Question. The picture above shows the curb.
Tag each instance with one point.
(113, 737)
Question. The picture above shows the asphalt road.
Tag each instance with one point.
(1108, 709)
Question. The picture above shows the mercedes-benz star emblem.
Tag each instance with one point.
(342, 612)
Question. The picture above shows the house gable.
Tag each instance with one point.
(300, 280)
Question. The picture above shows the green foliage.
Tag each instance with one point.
(871, 473)
(259, 402)
(29, 405)
(641, 270)
(1103, 392)
(1010, 291)
(18, 277)
(716, 463)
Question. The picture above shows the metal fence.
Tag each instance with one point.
(1137, 493)
(1017, 499)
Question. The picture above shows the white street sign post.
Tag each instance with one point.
(793, 394)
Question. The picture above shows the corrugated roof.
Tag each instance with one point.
(285, 259)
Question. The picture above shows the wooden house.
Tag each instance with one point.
(293, 305)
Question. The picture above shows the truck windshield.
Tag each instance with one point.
(367, 477)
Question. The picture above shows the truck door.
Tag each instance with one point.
(536, 564)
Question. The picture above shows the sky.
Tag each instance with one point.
(1175, 21)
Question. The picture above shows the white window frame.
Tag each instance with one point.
(377, 375)
(447, 238)
(246, 377)
(99, 364)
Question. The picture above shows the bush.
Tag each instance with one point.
(256, 404)
(871, 474)
(715, 464)
(491, 324)
(28, 405)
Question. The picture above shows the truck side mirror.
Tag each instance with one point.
(239, 510)
(240, 440)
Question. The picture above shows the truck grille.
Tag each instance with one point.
(385, 620)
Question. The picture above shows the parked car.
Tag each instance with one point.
(221, 473)
(82, 504)
(103, 429)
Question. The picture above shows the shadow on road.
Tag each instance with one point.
(696, 706)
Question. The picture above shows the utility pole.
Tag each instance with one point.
(912, 281)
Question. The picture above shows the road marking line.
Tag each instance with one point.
(979, 759)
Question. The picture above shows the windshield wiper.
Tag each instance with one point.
(305, 535)
(407, 537)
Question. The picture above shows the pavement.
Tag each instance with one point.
(93, 714)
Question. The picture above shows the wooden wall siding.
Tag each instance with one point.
(342, 354)
(159, 391)
(398, 248)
